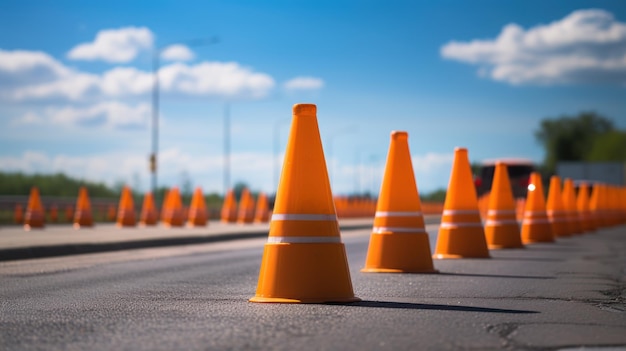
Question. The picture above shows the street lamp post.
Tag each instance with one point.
(226, 149)
(156, 53)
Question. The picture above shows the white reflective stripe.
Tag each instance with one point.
(303, 217)
(492, 222)
(460, 225)
(453, 212)
(379, 230)
(303, 239)
(496, 212)
(535, 221)
(398, 213)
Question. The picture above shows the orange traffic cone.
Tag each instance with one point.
(229, 208)
(461, 233)
(304, 259)
(149, 212)
(262, 212)
(35, 216)
(582, 203)
(399, 242)
(197, 215)
(54, 213)
(126, 209)
(245, 213)
(83, 217)
(18, 214)
(571, 210)
(111, 213)
(501, 228)
(172, 214)
(556, 209)
(536, 227)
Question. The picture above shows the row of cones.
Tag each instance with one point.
(172, 215)
(305, 261)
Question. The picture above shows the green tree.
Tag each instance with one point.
(609, 147)
(571, 138)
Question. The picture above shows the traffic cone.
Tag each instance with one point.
(536, 227)
(197, 215)
(556, 209)
(399, 242)
(582, 203)
(262, 213)
(172, 214)
(149, 212)
(126, 209)
(304, 260)
(229, 208)
(18, 214)
(54, 213)
(461, 233)
(245, 213)
(501, 228)
(571, 210)
(35, 216)
(83, 217)
(111, 213)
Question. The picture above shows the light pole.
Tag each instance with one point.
(156, 54)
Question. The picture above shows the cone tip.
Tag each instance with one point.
(305, 109)
(399, 134)
(460, 150)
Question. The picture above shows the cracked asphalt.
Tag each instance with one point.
(566, 295)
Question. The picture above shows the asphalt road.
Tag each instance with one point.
(544, 297)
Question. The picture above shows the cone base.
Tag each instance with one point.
(304, 273)
(28, 227)
(390, 252)
(503, 237)
(461, 242)
(260, 299)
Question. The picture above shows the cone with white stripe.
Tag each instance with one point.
(501, 228)
(304, 260)
(83, 216)
(35, 213)
(556, 209)
(571, 209)
(399, 242)
(461, 233)
(536, 227)
(582, 203)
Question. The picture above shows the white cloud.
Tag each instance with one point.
(304, 83)
(587, 46)
(177, 52)
(206, 79)
(223, 79)
(114, 45)
(111, 114)
(29, 118)
(21, 67)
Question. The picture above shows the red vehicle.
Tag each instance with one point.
(519, 170)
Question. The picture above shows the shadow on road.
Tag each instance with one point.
(497, 276)
(423, 306)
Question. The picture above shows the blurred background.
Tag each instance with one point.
(155, 94)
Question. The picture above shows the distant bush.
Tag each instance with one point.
(51, 185)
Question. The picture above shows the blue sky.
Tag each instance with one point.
(75, 83)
